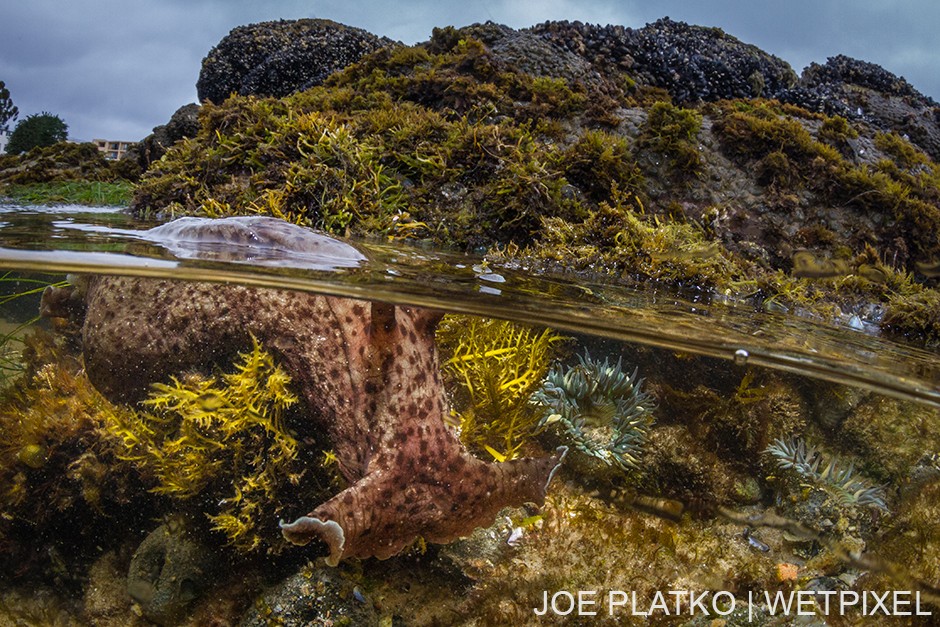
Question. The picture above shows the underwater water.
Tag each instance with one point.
(704, 457)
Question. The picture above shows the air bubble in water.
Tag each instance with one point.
(740, 357)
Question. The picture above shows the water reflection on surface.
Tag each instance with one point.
(401, 274)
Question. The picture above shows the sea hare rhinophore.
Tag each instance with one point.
(368, 373)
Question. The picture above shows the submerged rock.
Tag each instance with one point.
(106, 601)
(168, 572)
(475, 556)
(313, 596)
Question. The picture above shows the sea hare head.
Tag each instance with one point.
(384, 514)
(305, 528)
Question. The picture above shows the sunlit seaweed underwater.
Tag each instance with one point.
(16, 287)
(683, 473)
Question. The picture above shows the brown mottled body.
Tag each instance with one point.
(370, 377)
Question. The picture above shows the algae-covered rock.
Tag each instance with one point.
(59, 478)
(527, 51)
(64, 161)
(278, 58)
(915, 317)
(106, 601)
(891, 435)
(861, 90)
(831, 404)
(183, 123)
(563, 144)
(313, 596)
(587, 544)
(677, 466)
(911, 545)
(476, 556)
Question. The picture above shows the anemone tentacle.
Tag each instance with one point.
(601, 409)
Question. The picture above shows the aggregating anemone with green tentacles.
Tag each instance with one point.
(833, 476)
(599, 409)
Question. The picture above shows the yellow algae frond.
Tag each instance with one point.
(496, 365)
(219, 434)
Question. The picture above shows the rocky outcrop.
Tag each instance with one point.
(279, 58)
(858, 90)
(183, 123)
(627, 114)
(698, 64)
(692, 63)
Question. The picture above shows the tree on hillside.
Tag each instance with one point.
(8, 110)
(39, 129)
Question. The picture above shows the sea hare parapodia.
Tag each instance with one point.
(369, 375)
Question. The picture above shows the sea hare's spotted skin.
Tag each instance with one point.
(369, 374)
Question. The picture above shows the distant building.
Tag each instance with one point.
(112, 149)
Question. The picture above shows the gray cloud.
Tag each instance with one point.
(116, 68)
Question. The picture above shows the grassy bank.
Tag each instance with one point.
(76, 192)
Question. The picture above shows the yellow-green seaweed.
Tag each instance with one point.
(496, 365)
(673, 131)
(222, 434)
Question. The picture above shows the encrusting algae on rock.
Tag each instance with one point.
(368, 375)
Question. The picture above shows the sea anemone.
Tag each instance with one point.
(834, 477)
(601, 410)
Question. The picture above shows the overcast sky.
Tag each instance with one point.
(116, 68)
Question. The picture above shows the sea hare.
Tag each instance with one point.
(369, 375)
